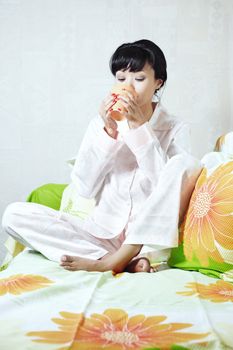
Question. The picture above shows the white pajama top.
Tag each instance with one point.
(121, 173)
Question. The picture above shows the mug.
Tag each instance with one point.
(117, 108)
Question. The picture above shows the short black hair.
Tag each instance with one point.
(134, 56)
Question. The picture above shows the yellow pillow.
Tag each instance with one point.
(206, 234)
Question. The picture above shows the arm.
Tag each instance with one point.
(151, 158)
(181, 143)
(94, 160)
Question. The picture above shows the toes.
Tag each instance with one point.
(154, 269)
(64, 264)
(68, 267)
(67, 258)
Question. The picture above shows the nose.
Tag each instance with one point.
(129, 81)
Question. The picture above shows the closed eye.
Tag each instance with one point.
(122, 79)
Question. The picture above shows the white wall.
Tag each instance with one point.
(54, 73)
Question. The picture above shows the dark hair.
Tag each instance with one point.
(134, 56)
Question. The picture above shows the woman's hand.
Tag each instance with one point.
(133, 112)
(110, 124)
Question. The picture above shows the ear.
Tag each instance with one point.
(159, 83)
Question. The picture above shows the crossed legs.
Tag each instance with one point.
(121, 260)
(43, 229)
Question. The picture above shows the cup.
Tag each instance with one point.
(117, 109)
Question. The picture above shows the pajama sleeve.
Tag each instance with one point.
(94, 160)
(151, 158)
(181, 143)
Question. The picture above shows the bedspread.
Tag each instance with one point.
(43, 306)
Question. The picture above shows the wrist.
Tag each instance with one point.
(112, 133)
(133, 125)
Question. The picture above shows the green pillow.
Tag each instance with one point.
(206, 234)
(48, 194)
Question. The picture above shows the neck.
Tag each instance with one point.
(148, 110)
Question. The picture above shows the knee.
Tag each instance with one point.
(9, 215)
(186, 163)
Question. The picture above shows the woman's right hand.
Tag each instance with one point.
(110, 124)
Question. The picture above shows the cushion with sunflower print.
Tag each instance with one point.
(206, 234)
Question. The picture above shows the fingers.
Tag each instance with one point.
(105, 111)
(109, 122)
(129, 107)
(130, 104)
(128, 97)
(106, 104)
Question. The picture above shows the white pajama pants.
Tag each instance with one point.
(54, 233)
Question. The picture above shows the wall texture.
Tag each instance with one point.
(54, 73)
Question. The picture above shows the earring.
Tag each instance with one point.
(157, 97)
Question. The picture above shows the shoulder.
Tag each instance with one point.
(163, 120)
(96, 121)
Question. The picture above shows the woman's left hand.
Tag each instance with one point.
(133, 112)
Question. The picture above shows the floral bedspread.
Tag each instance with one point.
(43, 306)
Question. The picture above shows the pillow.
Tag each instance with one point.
(224, 144)
(74, 204)
(206, 234)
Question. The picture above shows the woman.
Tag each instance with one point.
(141, 180)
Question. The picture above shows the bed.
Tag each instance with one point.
(43, 306)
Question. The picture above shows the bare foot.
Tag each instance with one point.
(75, 263)
(139, 265)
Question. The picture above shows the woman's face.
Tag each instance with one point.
(144, 83)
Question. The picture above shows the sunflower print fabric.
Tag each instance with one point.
(45, 307)
(206, 234)
(115, 330)
(218, 292)
(18, 284)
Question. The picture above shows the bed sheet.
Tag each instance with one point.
(43, 306)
